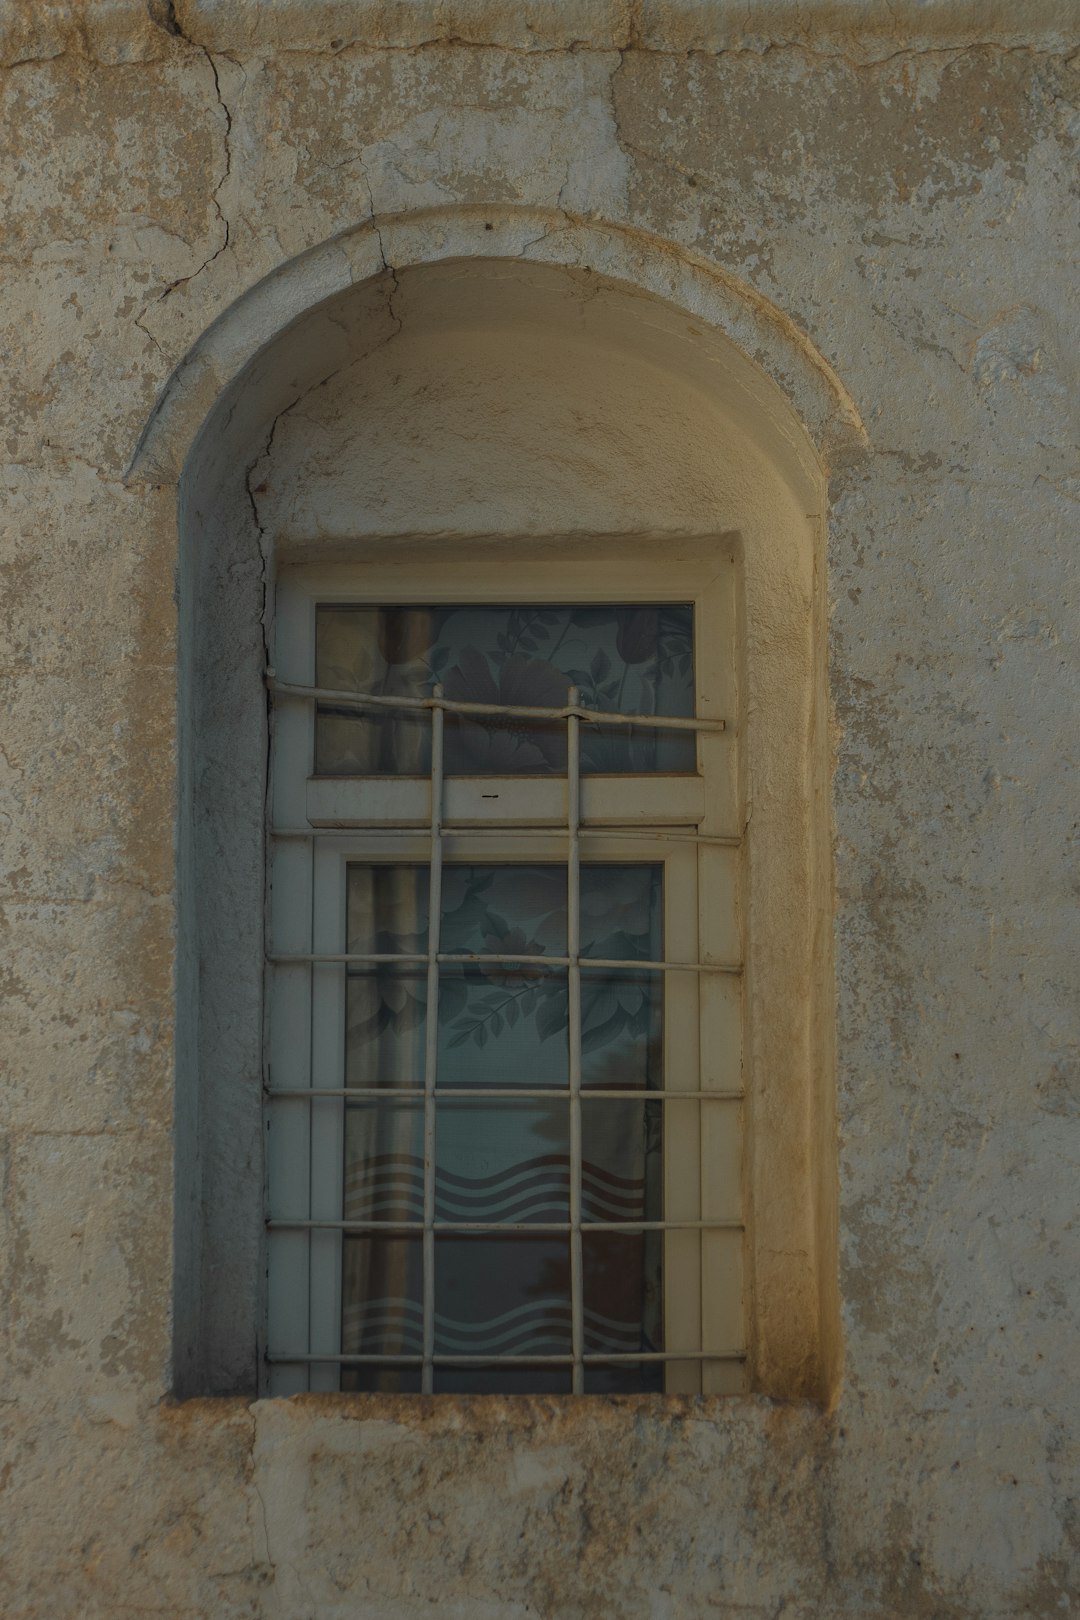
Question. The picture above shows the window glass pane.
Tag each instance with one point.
(622, 1180)
(502, 1162)
(625, 1378)
(381, 1380)
(503, 1027)
(382, 1310)
(622, 1160)
(622, 1010)
(385, 1004)
(503, 1024)
(539, 1380)
(635, 659)
(384, 1161)
(622, 1292)
(372, 650)
(506, 1296)
(500, 1024)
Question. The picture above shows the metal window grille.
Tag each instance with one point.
(573, 715)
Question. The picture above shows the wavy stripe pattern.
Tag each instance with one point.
(391, 1186)
(541, 1327)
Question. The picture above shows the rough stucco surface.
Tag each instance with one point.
(908, 199)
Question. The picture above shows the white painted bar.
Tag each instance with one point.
(436, 702)
(431, 1042)
(573, 947)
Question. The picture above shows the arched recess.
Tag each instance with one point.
(515, 376)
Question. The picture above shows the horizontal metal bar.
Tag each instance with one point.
(344, 958)
(382, 700)
(596, 1359)
(449, 1093)
(661, 967)
(494, 959)
(613, 832)
(503, 1226)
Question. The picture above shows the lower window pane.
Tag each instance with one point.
(380, 1380)
(385, 1013)
(626, 1378)
(622, 1292)
(622, 1008)
(502, 1163)
(503, 1025)
(384, 1162)
(503, 1380)
(386, 1004)
(622, 1160)
(502, 1295)
(382, 1296)
(622, 1034)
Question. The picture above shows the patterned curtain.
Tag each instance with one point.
(503, 1161)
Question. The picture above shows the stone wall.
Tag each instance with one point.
(894, 188)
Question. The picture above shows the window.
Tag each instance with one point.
(504, 1069)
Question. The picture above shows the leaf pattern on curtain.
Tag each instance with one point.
(629, 659)
(503, 1161)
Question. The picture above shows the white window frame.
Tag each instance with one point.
(692, 824)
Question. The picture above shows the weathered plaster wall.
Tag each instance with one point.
(900, 182)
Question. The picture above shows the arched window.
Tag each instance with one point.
(504, 1039)
(505, 1056)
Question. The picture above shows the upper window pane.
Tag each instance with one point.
(633, 659)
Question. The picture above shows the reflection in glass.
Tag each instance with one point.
(635, 659)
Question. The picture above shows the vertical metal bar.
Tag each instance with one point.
(311, 1101)
(573, 949)
(431, 1041)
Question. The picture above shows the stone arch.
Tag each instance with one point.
(701, 289)
(435, 380)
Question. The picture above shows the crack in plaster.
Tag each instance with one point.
(261, 1518)
(632, 41)
(260, 537)
(639, 47)
(170, 25)
(389, 269)
(141, 324)
(32, 1133)
(50, 453)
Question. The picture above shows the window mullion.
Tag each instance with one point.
(573, 949)
(431, 1041)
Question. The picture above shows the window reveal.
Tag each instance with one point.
(512, 1194)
